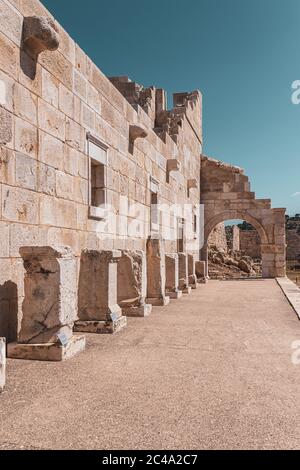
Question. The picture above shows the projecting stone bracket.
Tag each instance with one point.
(172, 165)
(39, 34)
(137, 132)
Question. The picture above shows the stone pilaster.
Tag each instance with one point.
(200, 272)
(49, 307)
(184, 273)
(192, 273)
(132, 284)
(98, 308)
(2, 363)
(156, 274)
(172, 276)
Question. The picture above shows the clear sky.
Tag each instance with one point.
(243, 55)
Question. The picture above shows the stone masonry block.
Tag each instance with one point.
(50, 88)
(20, 205)
(156, 273)
(9, 56)
(172, 276)
(58, 66)
(11, 22)
(25, 104)
(51, 120)
(97, 297)
(132, 283)
(6, 126)
(26, 172)
(183, 273)
(6, 92)
(50, 304)
(7, 166)
(26, 138)
(51, 151)
(192, 272)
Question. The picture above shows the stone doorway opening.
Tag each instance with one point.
(234, 251)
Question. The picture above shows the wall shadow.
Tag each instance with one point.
(9, 311)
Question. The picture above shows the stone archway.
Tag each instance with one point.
(226, 195)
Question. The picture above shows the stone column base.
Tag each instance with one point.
(162, 302)
(47, 352)
(174, 295)
(142, 311)
(187, 290)
(2, 363)
(193, 281)
(101, 327)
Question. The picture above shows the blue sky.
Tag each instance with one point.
(243, 55)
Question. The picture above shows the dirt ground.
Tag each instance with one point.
(212, 370)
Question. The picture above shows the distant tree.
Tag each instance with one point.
(245, 226)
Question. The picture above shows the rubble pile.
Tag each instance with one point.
(233, 264)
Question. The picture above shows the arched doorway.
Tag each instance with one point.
(226, 195)
(234, 251)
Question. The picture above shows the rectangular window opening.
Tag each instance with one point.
(97, 152)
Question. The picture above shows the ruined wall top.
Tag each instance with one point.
(154, 102)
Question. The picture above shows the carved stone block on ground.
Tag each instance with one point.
(132, 284)
(98, 308)
(172, 276)
(156, 274)
(183, 273)
(192, 273)
(49, 307)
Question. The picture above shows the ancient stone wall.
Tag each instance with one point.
(235, 238)
(226, 195)
(218, 238)
(54, 101)
(293, 244)
(250, 243)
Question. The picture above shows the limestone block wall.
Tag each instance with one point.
(226, 195)
(48, 104)
(250, 243)
(218, 238)
(293, 244)
(235, 238)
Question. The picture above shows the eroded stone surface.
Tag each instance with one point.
(156, 273)
(183, 273)
(2, 363)
(172, 275)
(40, 34)
(97, 298)
(192, 272)
(50, 304)
(132, 283)
(6, 124)
(53, 352)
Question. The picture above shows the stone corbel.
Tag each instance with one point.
(39, 34)
(172, 165)
(192, 184)
(137, 132)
